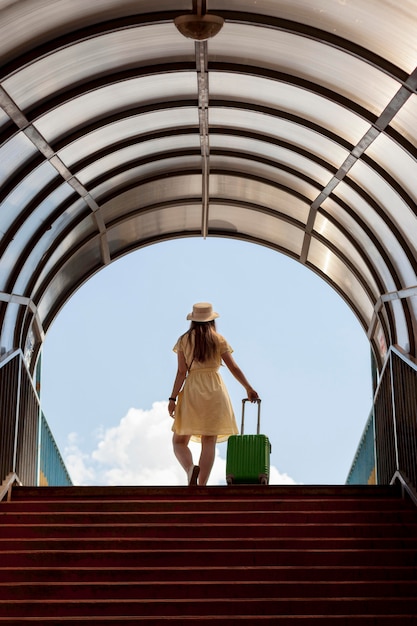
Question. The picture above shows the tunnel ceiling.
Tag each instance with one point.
(295, 127)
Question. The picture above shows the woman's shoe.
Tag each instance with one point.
(193, 473)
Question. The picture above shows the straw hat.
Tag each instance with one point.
(202, 312)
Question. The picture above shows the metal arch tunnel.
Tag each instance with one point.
(294, 127)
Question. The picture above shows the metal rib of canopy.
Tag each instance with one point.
(295, 128)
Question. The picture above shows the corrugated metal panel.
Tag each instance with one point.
(52, 470)
(9, 379)
(19, 411)
(362, 471)
(396, 420)
(28, 430)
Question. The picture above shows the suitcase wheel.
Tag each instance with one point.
(262, 479)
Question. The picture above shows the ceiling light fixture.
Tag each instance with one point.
(199, 25)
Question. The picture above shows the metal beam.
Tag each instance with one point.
(203, 109)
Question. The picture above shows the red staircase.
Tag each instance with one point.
(236, 555)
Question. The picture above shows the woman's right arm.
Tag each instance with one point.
(239, 375)
(179, 379)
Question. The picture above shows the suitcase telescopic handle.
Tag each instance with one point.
(258, 401)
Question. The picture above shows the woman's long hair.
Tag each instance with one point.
(205, 344)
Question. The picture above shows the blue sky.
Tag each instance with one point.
(108, 365)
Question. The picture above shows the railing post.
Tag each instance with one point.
(394, 416)
(17, 415)
(374, 442)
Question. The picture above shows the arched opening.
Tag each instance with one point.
(109, 351)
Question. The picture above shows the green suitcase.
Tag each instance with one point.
(248, 456)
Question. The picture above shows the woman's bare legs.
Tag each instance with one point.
(208, 453)
(182, 451)
(184, 456)
(207, 456)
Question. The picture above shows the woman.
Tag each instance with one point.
(203, 410)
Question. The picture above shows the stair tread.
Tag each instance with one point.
(205, 531)
(251, 573)
(408, 619)
(226, 491)
(204, 590)
(193, 500)
(300, 517)
(139, 539)
(228, 606)
(316, 619)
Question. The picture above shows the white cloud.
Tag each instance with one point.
(276, 478)
(138, 451)
(77, 462)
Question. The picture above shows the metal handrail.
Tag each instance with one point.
(406, 486)
(7, 484)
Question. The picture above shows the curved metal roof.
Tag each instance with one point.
(295, 127)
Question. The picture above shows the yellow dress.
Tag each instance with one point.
(204, 406)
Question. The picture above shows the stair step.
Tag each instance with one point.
(274, 492)
(210, 557)
(214, 606)
(239, 620)
(246, 573)
(209, 517)
(205, 530)
(194, 505)
(205, 590)
(275, 544)
(235, 620)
